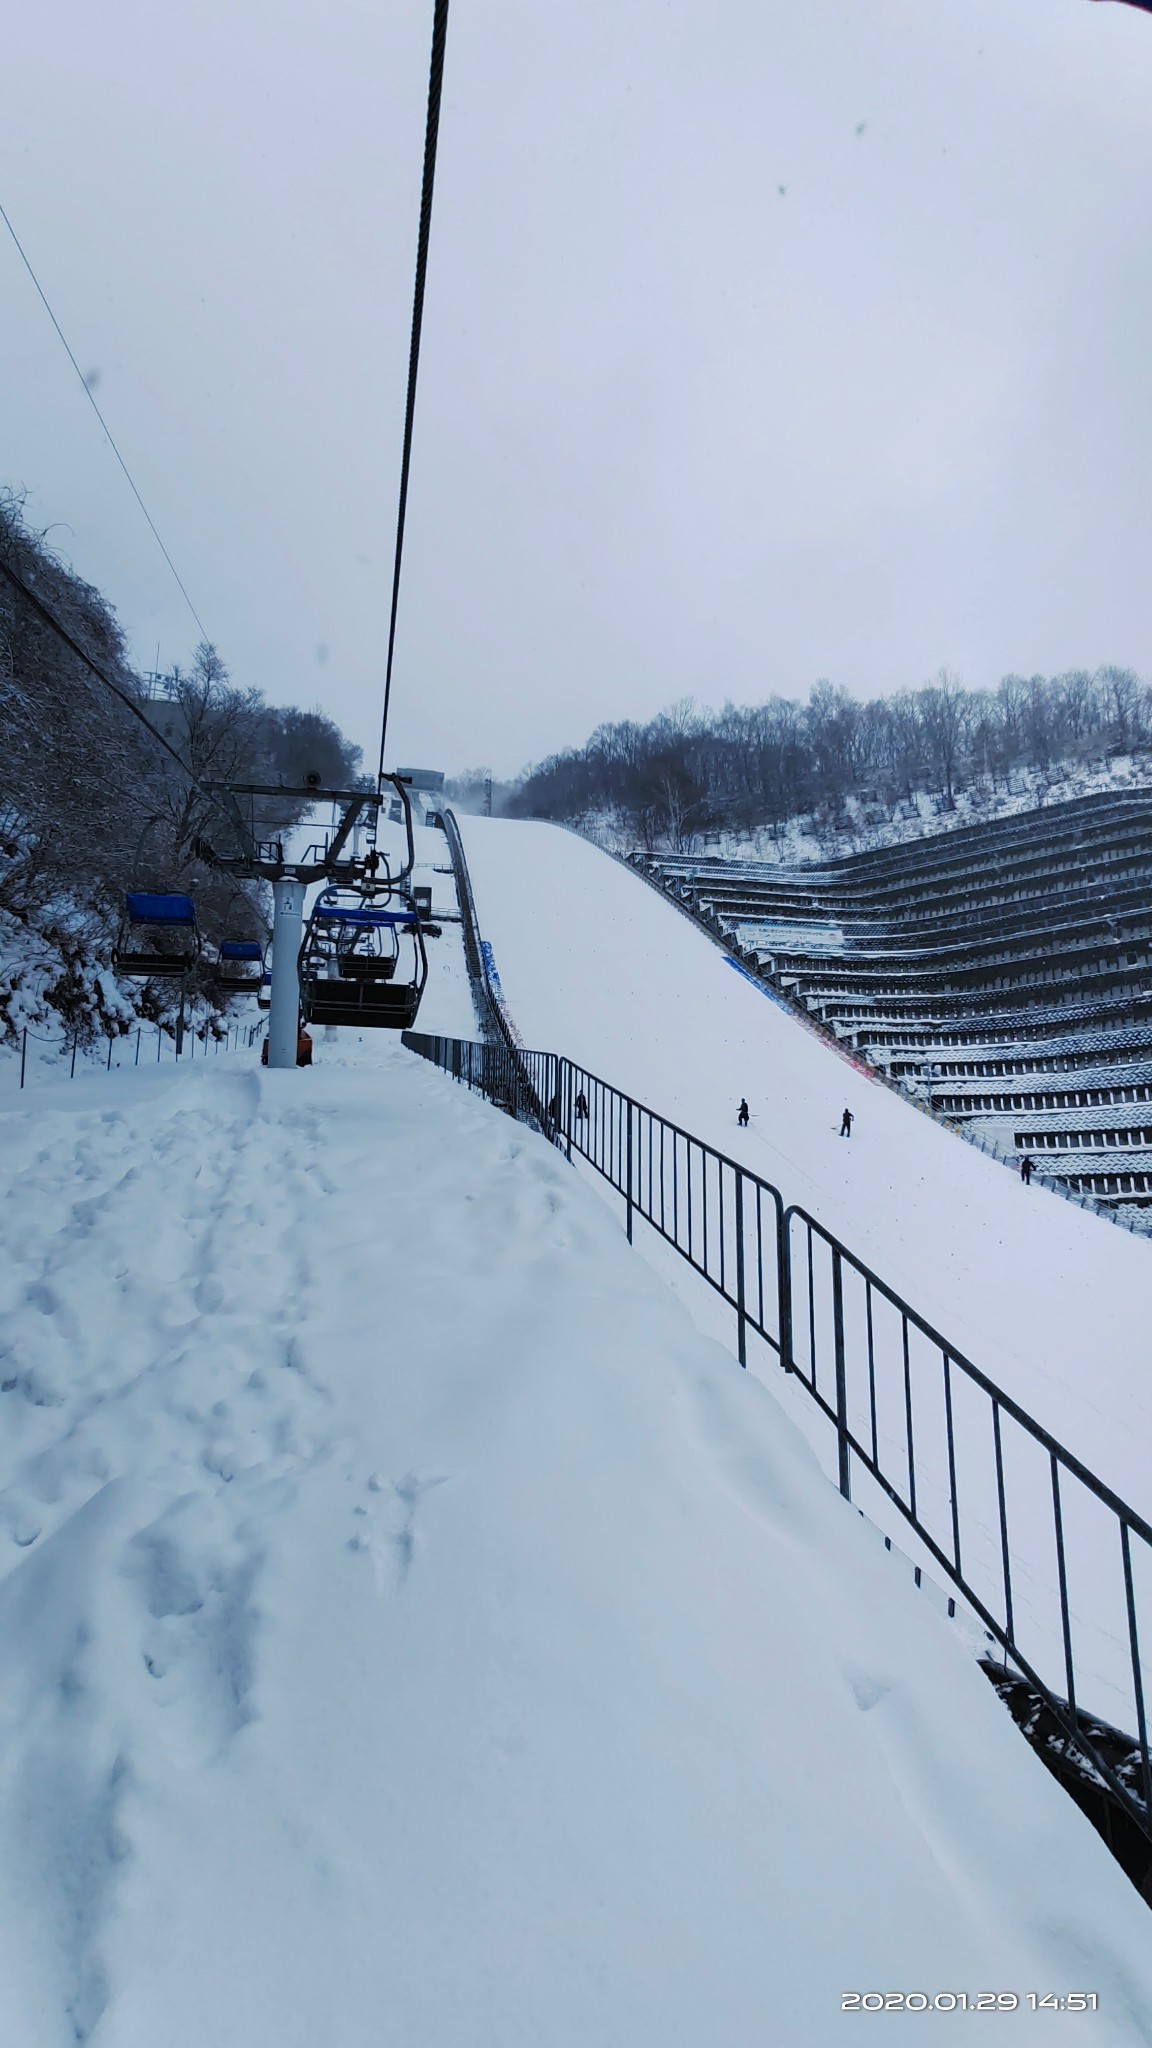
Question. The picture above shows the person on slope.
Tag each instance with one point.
(1026, 1169)
(846, 1123)
(742, 1114)
(581, 1107)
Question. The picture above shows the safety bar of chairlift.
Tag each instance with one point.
(365, 918)
(390, 881)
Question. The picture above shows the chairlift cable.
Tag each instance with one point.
(431, 133)
(88, 393)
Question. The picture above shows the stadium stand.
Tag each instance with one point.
(1000, 974)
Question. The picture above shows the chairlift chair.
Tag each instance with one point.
(233, 957)
(351, 960)
(170, 922)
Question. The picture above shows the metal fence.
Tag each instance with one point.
(1057, 1567)
(132, 1048)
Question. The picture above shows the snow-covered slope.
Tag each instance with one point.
(412, 1631)
(1048, 1299)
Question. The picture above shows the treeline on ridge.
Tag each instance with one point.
(90, 806)
(749, 768)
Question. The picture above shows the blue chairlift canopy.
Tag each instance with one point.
(241, 949)
(144, 908)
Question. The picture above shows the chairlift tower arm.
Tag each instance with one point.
(257, 859)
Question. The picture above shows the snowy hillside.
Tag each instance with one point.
(413, 1630)
(863, 824)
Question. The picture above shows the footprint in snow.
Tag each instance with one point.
(389, 1537)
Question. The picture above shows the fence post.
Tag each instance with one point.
(841, 1376)
(628, 1196)
(23, 1053)
(568, 1108)
(108, 1068)
(783, 1281)
(139, 1029)
(75, 1046)
(741, 1319)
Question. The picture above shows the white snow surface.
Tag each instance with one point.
(414, 1631)
(1050, 1300)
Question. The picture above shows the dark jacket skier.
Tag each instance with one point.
(581, 1107)
(846, 1123)
(1026, 1169)
(742, 1114)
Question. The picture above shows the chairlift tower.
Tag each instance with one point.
(334, 862)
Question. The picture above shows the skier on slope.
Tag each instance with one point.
(742, 1114)
(846, 1123)
(1026, 1169)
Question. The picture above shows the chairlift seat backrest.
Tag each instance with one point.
(145, 908)
(365, 967)
(366, 916)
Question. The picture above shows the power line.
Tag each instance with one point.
(432, 130)
(23, 254)
(44, 612)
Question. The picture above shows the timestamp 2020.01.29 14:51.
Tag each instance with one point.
(969, 2001)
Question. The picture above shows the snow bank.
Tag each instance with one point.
(412, 1630)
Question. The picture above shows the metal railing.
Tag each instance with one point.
(1056, 1566)
(131, 1048)
(514, 1076)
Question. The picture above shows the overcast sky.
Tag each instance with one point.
(765, 340)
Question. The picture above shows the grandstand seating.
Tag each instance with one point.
(1001, 974)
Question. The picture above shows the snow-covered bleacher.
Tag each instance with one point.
(1002, 973)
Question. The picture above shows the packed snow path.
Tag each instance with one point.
(412, 1630)
(1048, 1299)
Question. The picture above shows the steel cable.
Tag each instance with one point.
(24, 258)
(431, 133)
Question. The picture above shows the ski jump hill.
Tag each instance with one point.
(414, 1628)
(1051, 1299)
